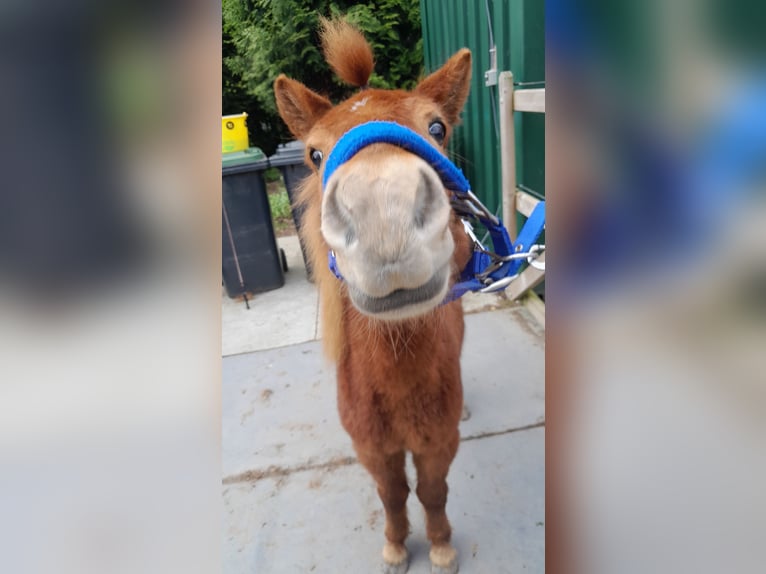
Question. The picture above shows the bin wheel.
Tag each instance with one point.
(284, 260)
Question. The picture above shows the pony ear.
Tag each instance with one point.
(299, 107)
(449, 85)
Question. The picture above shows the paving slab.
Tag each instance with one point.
(279, 409)
(330, 520)
(284, 316)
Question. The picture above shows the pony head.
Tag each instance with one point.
(385, 212)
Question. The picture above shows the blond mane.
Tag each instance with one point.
(330, 300)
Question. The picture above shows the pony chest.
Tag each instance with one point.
(407, 404)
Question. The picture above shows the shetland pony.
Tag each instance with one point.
(399, 246)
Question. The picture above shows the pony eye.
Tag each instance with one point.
(437, 131)
(316, 157)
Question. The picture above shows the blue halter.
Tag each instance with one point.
(484, 268)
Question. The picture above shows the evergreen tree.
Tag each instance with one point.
(263, 38)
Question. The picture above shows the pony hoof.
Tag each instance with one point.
(395, 558)
(443, 560)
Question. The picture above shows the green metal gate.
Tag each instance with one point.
(518, 30)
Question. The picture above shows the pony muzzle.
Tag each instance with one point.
(386, 217)
(403, 303)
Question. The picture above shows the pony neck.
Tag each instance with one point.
(396, 343)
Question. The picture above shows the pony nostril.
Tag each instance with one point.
(336, 220)
(426, 199)
(421, 206)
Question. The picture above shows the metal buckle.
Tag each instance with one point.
(535, 252)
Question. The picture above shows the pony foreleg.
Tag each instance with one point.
(432, 490)
(389, 474)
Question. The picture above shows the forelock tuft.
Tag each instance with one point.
(347, 51)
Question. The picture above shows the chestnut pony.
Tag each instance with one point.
(399, 247)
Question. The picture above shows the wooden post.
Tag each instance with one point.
(529, 278)
(529, 101)
(507, 152)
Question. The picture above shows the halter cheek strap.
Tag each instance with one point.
(486, 270)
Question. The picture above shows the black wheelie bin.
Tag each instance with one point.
(289, 159)
(252, 262)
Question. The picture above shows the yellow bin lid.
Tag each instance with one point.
(234, 133)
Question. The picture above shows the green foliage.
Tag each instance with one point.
(263, 38)
(272, 174)
(281, 212)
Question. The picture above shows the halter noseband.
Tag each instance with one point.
(486, 271)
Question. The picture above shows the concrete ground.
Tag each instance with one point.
(295, 498)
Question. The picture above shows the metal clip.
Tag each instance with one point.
(469, 231)
(498, 285)
(535, 252)
(465, 203)
(497, 262)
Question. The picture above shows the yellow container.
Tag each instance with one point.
(234, 133)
